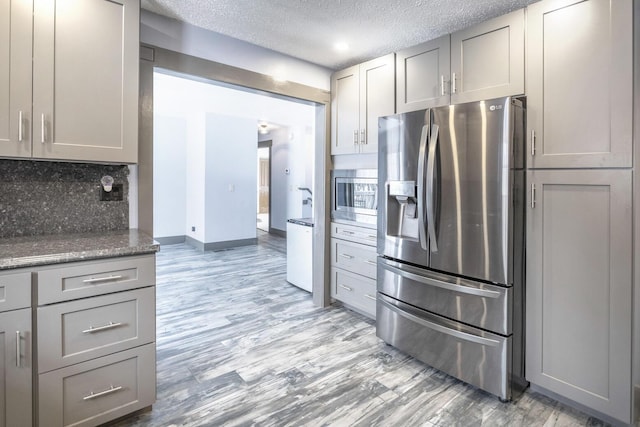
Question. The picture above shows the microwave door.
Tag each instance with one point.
(402, 228)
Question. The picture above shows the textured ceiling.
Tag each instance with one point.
(309, 29)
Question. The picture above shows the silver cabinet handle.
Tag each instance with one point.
(422, 154)
(110, 390)
(347, 232)
(18, 354)
(346, 288)
(533, 196)
(363, 139)
(101, 279)
(371, 262)
(442, 84)
(42, 127)
(110, 325)
(533, 142)
(355, 137)
(347, 256)
(370, 297)
(371, 236)
(453, 82)
(20, 126)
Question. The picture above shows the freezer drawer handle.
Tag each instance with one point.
(443, 329)
(110, 390)
(110, 325)
(101, 279)
(444, 285)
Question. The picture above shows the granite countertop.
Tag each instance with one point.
(33, 251)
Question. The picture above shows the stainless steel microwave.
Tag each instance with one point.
(354, 196)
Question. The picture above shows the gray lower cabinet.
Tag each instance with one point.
(15, 368)
(95, 335)
(15, 349)
(579, 287)
(353, 267)
(579, 80)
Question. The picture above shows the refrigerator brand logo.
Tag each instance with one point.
(495, 107)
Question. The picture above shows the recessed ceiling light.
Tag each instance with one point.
(341, 47)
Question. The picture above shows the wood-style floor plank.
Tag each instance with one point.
(239, 346)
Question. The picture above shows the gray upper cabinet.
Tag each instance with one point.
(16, 18)
(487, 60)
(579, 287)
(579, 80)
(422, 76)
(359, 95)
(69, 79)
(85, 80)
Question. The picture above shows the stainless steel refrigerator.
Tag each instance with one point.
(451, 240)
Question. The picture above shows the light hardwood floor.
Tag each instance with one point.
(238, 346)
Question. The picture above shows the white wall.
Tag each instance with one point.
(230, 185)
(178, 100)
(170, 175)
(171, 34)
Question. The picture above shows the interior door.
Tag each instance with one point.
(401, 221)
(472, 179)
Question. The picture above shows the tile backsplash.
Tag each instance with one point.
(54, 198)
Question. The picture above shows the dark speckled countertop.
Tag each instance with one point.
(17, 252)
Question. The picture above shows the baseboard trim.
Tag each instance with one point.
(578, 406)
(278, 232)
(218, 246)
(170, 240)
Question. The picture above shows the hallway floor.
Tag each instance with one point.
(238, 346)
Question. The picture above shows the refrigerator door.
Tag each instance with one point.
(471, 176)
(402, 142)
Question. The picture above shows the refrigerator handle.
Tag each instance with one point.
(431, 161)
(421, 160)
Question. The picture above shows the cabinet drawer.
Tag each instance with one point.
(354, 257)
(94, 392)
(76, 331)
(366, 236)
(354, 290)
(15, 290)
(91, 278)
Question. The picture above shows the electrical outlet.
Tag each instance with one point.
(115, 195)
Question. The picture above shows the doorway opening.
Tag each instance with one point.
(264, 184)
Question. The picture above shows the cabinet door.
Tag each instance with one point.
(15, 77)
(15, 374)
(422, 76)
(345, 107)
(579, 80)
(579, 287)
(487, 61)
(85, 80)
(377, 98)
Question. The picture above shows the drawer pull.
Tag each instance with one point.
(350, 233)
(101, 279)
(110, 390)
(18, 354)
(370, 297)
(347, 256)
(371, 262)
(371, 236)
(346, 288)
(110, 325)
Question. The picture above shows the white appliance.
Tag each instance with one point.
(299, 253)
